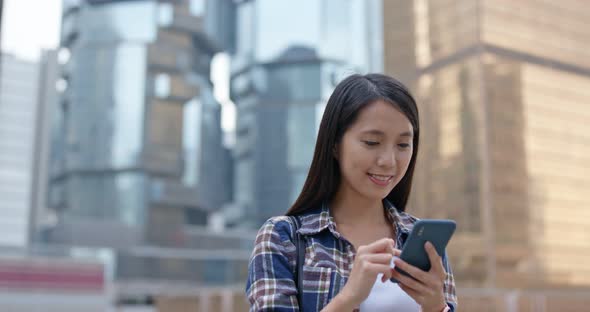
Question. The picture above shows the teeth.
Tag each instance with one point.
(380, 177)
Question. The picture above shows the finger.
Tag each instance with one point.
(382, 245)
(380, 258)
(412, 270)
(376, 268)
(435, 259)
(410, 282)
(412, 293)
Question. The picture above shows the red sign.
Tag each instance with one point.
(51, 275)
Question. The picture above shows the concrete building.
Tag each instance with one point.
(18, 113)
(503, 90)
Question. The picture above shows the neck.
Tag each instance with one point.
(347, 209)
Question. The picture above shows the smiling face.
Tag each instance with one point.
(374, 153)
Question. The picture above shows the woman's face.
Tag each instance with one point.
(375, 151)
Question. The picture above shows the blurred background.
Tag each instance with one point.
(143, 142)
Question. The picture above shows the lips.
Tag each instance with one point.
(381, 180)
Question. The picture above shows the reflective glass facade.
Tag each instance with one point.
(139, 119)
(335, 30)
(288, 58)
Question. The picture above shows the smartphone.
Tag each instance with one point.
(436, 231)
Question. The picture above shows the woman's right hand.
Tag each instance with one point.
(370, 260)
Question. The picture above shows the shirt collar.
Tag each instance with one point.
(318, 219)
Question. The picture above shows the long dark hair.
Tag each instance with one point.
(349, 97)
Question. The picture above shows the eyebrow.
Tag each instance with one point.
(379, 132)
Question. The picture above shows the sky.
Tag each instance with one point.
(28, 26)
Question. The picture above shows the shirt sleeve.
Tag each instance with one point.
(271, 285)
(449, 286)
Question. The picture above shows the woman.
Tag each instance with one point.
(352, 214)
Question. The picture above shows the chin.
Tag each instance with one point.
(377, 196)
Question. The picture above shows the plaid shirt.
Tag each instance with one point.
(328, 261)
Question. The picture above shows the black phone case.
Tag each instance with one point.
(438, 232)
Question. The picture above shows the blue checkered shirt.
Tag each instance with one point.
(328, 261)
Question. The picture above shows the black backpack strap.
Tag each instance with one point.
(300, 249)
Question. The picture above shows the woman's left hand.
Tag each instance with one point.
(427, 287)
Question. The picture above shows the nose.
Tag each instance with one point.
(386, 158)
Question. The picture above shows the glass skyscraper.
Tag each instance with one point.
(288, 57)
(140, 139)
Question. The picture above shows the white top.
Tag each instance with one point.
(388, 297)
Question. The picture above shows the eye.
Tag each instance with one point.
(404, 145)
(371, 143)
